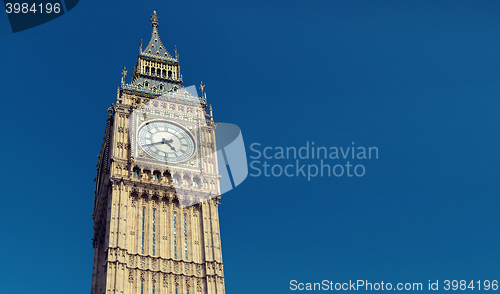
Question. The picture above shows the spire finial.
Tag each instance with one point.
(140, 44)
(175, 51)
(154, 20)
(201, 87)
(124, 74)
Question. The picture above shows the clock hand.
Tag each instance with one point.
(171, 147)
(164, 141)
(161, 142)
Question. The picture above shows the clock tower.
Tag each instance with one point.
(156, 222)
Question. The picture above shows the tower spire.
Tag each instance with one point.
(155, 48)
(156, 71)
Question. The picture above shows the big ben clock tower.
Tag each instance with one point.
(156, 223)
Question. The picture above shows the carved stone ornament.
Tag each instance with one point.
(131, 276)
(198, 285)
(165, 280)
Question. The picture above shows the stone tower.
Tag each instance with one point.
(156, 222)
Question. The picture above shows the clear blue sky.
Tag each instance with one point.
(420, 80)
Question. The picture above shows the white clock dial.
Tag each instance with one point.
(165, 141)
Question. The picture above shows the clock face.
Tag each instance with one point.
(165, 141)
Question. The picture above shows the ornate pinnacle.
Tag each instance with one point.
(201, 87)
(154, 19)
(124, 74)
(140, 44)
